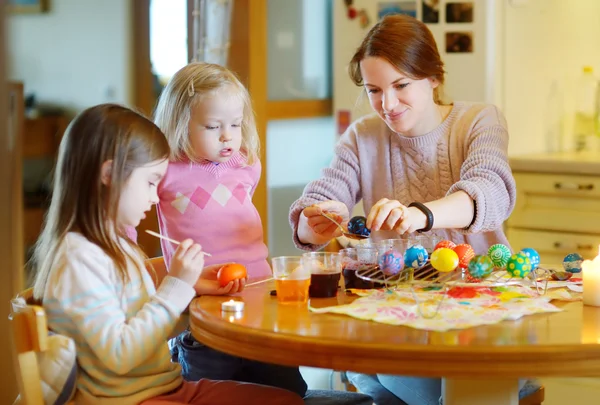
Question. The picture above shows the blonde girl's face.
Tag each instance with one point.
(139, 193)
(215, 126)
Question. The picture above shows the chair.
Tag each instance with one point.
(30, 335)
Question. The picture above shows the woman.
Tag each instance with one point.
(418, 165)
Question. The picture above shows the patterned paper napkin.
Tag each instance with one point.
(440, 308)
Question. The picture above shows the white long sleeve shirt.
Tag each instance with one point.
(120, 330)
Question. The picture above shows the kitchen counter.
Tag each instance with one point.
(587, 163)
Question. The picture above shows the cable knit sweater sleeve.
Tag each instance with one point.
(485, 173)
(338, 182)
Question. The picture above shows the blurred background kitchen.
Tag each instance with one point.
(538, 60)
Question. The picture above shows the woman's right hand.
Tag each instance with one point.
(314, 228)
(187, 262)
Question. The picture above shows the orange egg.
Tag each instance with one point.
(465, 253)
(231, 272)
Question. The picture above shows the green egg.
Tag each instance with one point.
(480, 267)
(499, 254)
(518, 265)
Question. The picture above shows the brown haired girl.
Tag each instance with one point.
(92, 279)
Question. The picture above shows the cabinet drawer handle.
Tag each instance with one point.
(579, 246)
(574, 186)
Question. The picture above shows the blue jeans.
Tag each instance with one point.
(403, 390)
(199, 361)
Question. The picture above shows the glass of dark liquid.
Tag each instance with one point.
(325, 273)
(355, 260)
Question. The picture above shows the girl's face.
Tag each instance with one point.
(406, 105)
(215, 127)
(139, 192)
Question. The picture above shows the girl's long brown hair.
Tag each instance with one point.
(80, 201)
(407, 44)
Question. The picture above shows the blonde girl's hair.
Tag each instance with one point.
(189, 85)
(80, 201)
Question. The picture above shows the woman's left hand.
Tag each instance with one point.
(392, 215)
(208, 283)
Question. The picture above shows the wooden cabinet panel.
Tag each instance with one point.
(554, 246)
(557, 202)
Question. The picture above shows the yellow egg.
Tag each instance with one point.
(444, 260)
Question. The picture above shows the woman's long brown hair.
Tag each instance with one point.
(80, 201)
(407, 44)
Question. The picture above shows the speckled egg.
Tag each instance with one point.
(499, 254)
(572, 262)
(445, 244)
(465, 253)
(391, 262)
(444, 260)
(480, 267)
(533, 255)
(518, 265)
(415, 256)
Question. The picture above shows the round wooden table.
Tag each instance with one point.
(479, 365)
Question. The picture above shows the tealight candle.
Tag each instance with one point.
(232, 306)
(591, 281)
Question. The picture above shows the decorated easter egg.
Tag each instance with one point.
(358, 226)
(445, 244)
(518, 265)
(465, 253)
(533, 256)
(444, 260)
(415, 256)
(572, 262)
(499, 254)
(391, 262)
(480, 267)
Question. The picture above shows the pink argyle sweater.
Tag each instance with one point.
(212, 204)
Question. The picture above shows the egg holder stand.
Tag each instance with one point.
(428, 277)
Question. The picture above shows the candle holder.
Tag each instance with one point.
(232, 306)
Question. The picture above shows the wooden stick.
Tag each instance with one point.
(259, 282)
(158, 235)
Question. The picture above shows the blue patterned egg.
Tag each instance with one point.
(499, 254)
(572, 262)
(480, 267)
(415, 257)
(391, 262)
(533, 255)
(518, 265)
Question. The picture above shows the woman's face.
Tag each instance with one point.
(406, 105)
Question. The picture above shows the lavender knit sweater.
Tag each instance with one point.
(467, 151)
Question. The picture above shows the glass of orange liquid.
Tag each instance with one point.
(291, 280)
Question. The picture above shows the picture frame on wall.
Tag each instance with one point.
(27, 6)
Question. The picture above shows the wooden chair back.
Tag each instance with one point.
(30, 335)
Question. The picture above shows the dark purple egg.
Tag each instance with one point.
(358, 226)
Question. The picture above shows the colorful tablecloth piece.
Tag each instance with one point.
(442, 308)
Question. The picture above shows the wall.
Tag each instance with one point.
(527, 56)
(547, 44)
(76, 55)
(297, 151)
